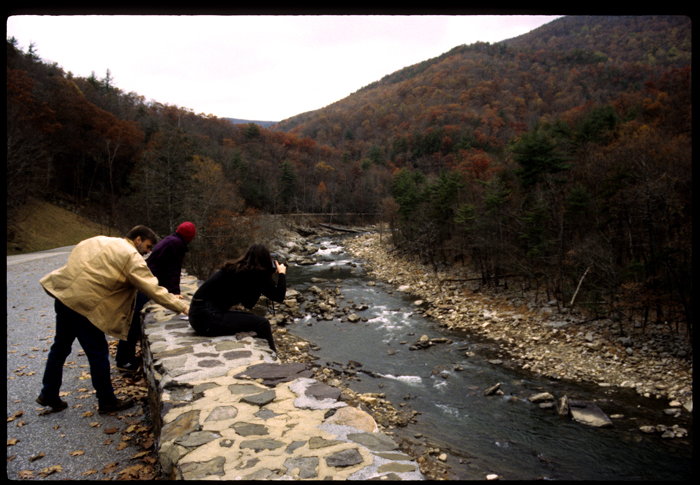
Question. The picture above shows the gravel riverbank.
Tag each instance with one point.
(559, 345)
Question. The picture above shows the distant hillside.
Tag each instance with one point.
(237, 121)
(559, 67)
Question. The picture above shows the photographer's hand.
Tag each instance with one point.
(281, 269)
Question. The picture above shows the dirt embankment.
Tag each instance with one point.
(43, 225)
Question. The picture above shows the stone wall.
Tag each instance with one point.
(226, 408)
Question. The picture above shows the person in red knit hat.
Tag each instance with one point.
(165, 262)
(187, 231)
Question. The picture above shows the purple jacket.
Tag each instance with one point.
(165, 261)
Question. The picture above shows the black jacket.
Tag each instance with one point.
(226, 289)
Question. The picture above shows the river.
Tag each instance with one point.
(504, 434)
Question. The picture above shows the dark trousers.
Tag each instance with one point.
(126, 349)
(207, 320)
(69, 326)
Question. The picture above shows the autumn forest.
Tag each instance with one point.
(558, 161)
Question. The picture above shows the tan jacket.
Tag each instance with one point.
(100, 282)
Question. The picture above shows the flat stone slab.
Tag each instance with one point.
(202, 470)
(345, 458)
(321, 391)
(222, 412)
(197, 438)
(250, 429)
(262, 444)
(316, 442)
(261, 399)
(315, 395)
(273, 374)
(374, 441)
(237, 354)
(266, 414)
(182, 425)
(308, 466)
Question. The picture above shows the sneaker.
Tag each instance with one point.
(119, 405)
(57, 404)
(129, 367)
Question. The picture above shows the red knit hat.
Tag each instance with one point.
(187, 231)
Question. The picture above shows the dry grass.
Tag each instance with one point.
(45, 226)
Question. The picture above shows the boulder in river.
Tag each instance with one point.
(588, 413)
(541, 397)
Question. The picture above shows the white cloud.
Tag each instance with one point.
(254, 67)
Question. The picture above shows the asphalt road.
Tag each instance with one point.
(77, 443)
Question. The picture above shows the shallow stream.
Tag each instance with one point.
(506, 435)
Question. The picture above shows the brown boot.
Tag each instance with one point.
(56, 404)
(119, 405)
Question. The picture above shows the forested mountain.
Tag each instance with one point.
(238, 121)
(560, 153)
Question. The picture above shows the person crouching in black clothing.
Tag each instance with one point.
(238, 281)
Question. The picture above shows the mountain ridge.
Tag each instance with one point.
(239, 121)
(642, 44)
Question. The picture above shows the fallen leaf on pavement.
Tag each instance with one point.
(37, 457)
(15, 416)
(131, 472)
(12, 442)
(50, 470)
(111, 430)
(77, 453)
(111, 467)
(26, 474)
(89, 472)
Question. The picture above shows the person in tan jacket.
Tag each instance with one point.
(94, 294)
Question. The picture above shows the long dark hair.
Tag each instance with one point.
(257, 258)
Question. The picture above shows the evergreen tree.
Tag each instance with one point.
(537, 155)
(287, 183)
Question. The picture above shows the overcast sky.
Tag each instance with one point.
(265, 68)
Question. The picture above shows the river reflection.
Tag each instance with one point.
(506, 435)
